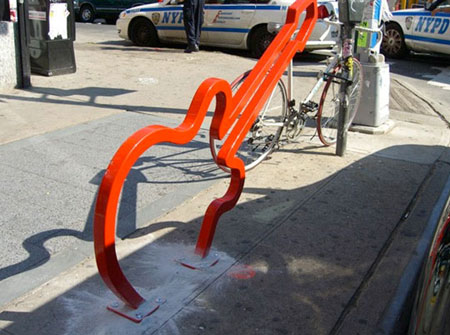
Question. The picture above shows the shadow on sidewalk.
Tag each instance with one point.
(56, 96)
(141, 177)
(310, 242)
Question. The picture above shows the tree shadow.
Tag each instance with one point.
(54, 95)
(90, 92)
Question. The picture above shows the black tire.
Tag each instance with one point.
(328, 113)
(260, 141)
(393, 44)
(143, 33)
(87, 14)
(260, 40)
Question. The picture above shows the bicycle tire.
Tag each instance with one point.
(262, 137)
(328, 113)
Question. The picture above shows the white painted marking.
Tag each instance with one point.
(442, 79)
(148, 81)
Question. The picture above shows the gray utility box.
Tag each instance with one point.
(374, 105)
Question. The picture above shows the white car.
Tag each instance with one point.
(417, 30)
(239, 24)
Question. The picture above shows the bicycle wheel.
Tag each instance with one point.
(265, 131)
(327, 115)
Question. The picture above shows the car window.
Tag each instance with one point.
(437, 3)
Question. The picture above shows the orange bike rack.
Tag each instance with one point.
(244, 106)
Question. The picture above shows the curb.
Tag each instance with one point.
(397, 316)
(380, 130)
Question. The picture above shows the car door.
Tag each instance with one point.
(170, 22)
(430, 33)
(228, 21)
(106, 7)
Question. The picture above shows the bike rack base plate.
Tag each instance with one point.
(136, 315)
(196, 262)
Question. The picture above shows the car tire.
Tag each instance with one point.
(260, 39)
(143, 33)
(393, 44)
(87, 14)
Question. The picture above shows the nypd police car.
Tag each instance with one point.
(417, 30)
(240, 24)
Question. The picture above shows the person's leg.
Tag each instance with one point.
(189, 24)
(199, 20)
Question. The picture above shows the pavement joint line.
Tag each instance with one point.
(413, 268)
(352, 303)
(425, 100)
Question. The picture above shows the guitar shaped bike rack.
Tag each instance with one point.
(244, 107)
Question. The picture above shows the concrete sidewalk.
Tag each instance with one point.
(316, 245)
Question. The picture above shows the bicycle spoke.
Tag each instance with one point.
(266, 130)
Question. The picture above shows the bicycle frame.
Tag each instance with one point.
(331, 65)
(333, 61)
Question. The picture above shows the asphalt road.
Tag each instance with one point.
(428, 74)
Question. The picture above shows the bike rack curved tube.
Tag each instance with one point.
(246, 103)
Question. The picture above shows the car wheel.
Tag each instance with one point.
(260, 40)
(87, 14)
(393, 44)
(143, 33)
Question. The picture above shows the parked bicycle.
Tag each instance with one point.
(280, 121)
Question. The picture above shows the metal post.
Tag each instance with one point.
(347, 31)
(25, 68)
(290, 81)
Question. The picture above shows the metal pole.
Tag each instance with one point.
(347, 51)
(290, 81)
(25, 68)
